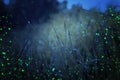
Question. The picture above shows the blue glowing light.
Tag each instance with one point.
(6, 2)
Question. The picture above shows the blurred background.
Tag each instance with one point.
(59, 40)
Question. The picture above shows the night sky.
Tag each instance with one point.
(59, 39)
(101, 5)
